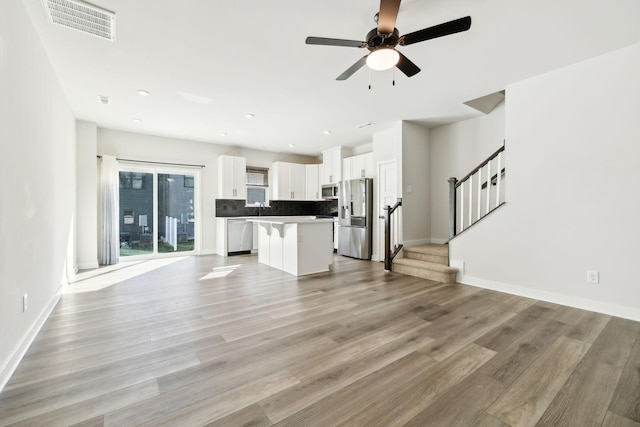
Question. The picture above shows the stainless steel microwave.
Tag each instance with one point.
(330, 191)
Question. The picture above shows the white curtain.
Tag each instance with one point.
(109, 185)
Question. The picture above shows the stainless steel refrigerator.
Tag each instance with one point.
(355, 216)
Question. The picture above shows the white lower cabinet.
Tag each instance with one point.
(297, 248)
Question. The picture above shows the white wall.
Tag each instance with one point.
(136, 146)
(408, 144)
(387, 145)
(455, 150)
(363, 149)
(415, 184)
(572, 196)
(86, 195)
(37, 185)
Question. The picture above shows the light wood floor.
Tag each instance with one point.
(228, 342)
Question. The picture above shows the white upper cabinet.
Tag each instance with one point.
(312, 182)
(298, 182)
(332, 165)
(288, 181)
(232, 177)
(360, 166)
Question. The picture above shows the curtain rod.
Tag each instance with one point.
(157, 163)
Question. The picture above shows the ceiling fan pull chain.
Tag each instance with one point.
(369, 78)
(393, 82)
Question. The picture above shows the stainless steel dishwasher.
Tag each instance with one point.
(239, 237)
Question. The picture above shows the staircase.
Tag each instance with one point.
(427, 261)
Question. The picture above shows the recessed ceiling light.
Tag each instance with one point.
(223, 134)
(143, 92)
(250, 115)
(327, 132)
(135, 120)
(291, 145)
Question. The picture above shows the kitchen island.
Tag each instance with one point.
(296, 245)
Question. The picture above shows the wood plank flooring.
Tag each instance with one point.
(229, 342)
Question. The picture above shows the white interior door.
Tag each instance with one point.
(387, 196)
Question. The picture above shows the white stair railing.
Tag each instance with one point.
(479, 193)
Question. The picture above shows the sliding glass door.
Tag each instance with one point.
(176, 214)
(157, 211)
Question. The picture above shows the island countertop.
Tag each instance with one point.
(288, 219)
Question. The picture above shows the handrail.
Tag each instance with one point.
(396, 206)
(389, 255)
(480, 166)
(474, 203)
(494, 178)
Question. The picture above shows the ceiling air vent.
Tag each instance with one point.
(82, 16)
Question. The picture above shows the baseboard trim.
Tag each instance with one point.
(208, 252)
(437, 241)
(9, 368)
(616, 310)
(88, 266)
(418, 242)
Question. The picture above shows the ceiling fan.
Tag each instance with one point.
(382, 41)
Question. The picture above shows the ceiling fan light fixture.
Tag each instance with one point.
(383, 59)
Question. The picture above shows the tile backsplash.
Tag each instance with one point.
(231, 208)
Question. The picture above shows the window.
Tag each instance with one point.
(132, 180)
(257, 180)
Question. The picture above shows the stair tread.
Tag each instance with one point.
(425, 264)
(441, 250)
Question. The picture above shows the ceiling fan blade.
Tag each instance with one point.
(387, 16)
(406, 66)
(355, 67)
(451, 27)
(334, 42)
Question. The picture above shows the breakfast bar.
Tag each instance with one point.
(296, 245)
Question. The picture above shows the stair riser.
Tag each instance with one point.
(427, 257)
(425, 274)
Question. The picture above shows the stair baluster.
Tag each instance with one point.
(458, 192)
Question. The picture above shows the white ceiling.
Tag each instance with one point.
(207, 63)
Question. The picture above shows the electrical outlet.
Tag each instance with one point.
(25, 302)
(593, 276)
